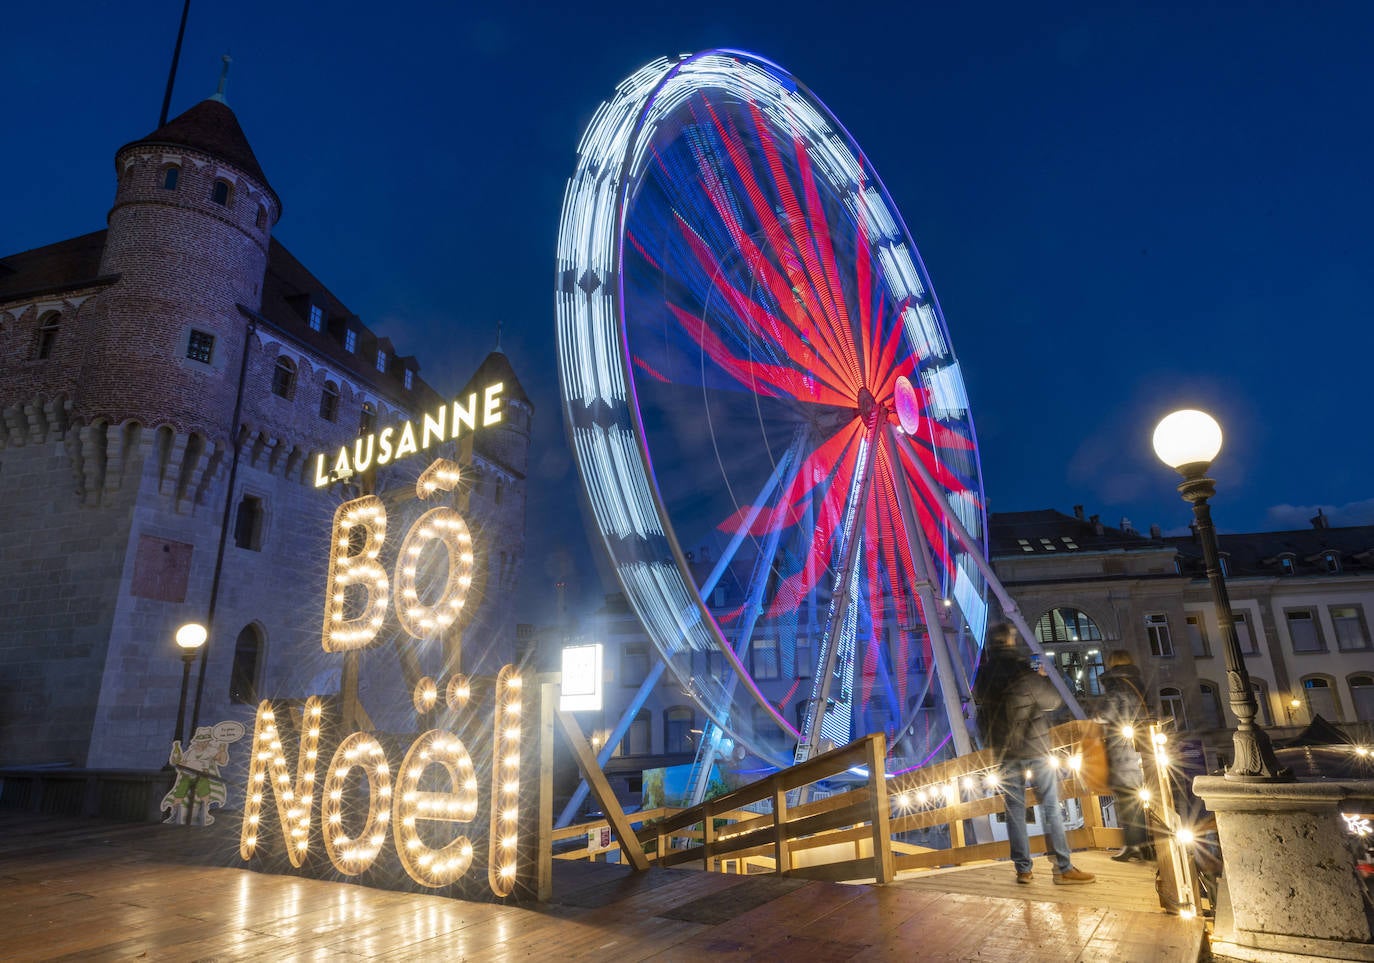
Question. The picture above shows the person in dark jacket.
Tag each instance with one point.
(1125, 717)
(1014, 707)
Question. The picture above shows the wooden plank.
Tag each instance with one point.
(596, 779)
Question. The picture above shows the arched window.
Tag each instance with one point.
(638, 738)
(248, 524)
(1211, 707)
(47, 335)
(1171, 708)
(284, 378)
(329, 401)
(1073, 643)
(171, 174)
(367, 421)
(221, 192)
(1362, 697)
(1066, 625)
(677, 730)
(1321, 699)
(247, 666)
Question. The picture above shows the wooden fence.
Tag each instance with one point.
(862, 833)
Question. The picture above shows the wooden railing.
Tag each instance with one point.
(849, 835)
(955, 792)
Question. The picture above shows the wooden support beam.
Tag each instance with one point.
(601, 789)
(883, 867)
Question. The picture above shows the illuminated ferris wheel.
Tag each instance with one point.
(768, 415)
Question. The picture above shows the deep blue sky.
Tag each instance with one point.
(1125, 208)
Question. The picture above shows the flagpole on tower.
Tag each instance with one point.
(176, 56)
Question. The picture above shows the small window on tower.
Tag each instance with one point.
(284, 378)
(201, 346)
(47, 336)
(329, 402)
(381, 361)
(262, 217)
(220, 192)
(248, 524)
(170, 176)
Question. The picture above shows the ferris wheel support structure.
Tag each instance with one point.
(841, 598)
(951, 692)
(975, 552)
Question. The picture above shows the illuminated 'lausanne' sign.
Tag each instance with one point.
(390, 444)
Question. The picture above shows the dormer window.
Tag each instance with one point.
(220, 192)
(381, 361)
(316, 318)
(409, 379)
(350, 341)
(1331, 562)
(170, 176)
(1286, 565)
(1225, 561)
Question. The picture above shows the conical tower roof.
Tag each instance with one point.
(210, 127)
(497, 367)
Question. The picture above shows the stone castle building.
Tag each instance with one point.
(174, 377)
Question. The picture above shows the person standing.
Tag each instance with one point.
(1014, 706)
(1125, 715)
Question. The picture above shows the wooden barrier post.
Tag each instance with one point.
(883, 866)
(782, 853)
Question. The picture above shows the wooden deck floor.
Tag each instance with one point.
(91, 890)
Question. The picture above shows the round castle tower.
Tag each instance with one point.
(188, 237)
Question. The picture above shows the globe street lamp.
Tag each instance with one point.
(1187, 441)
(190, 637)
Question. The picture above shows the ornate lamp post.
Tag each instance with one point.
(1187, 441)
(190, 637)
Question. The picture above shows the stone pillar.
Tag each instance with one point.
(1290, 871)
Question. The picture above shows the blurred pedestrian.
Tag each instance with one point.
(1125, 716)
(1014, 706)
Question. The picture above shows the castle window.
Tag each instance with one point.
(1171, 708)
(284, 378)
(248, 524)
(170, 176)
(368, 421)
(243, 675)
(47, 335)
(316, 318)
(409, 379)
(220, 192)
(350, 341)
(381, 361)
(329, 402)
(201, 346)
(262, 217)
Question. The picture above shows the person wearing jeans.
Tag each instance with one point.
(1044, 779)
(1014, 706)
